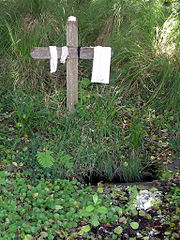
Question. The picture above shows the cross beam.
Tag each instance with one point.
(44, 53)
(75, 53)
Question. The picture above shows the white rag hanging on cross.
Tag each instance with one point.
(101, 65)
(101, 62)
(54, 57)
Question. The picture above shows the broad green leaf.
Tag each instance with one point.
(153, 189)
(95, 221)
(133, 210)
(134, 225)
(35, 195)
(15, 164)
(85, 213)
(58, 207)
(118, 230)
(44, 234)
(2, 181)
(90, 208)
(119, 210)
(142, 213)
(102, 210)
(56, 215)
(95, 198)
(86, 228)
(28, 237)
(100, 190)
(136, 202)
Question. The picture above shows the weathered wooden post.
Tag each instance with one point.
(72, 63)
(75, 53)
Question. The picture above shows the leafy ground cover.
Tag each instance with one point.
(66, 209)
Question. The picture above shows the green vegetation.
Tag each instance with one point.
(58, 207)
(127, 131)
(66, 209)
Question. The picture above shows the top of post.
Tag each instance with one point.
(71, 19)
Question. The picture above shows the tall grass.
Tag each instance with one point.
(143, 34)
(145, 39)
(43, 23)
(146, 43)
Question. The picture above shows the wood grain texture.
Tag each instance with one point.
(44, 53)
(72, 65)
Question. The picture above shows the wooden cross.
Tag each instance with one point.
(75, 53)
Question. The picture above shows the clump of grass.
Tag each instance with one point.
(95, 137)
(148, 60)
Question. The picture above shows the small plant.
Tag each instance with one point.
(98, 211)
(63, 161)
(174, 195)
(94, 210)
(45, 159)
(130, 207)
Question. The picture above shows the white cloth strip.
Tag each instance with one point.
(64, 54)
(53, 58)
(101, 65)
